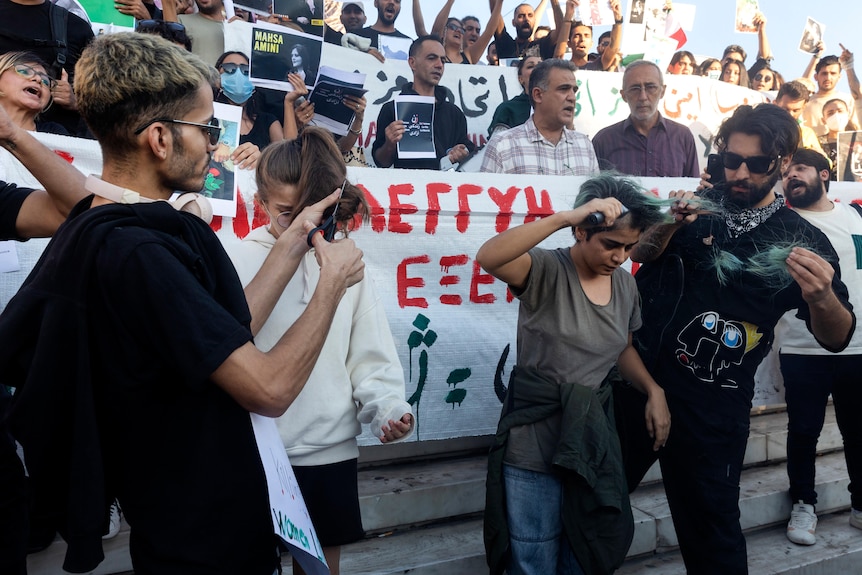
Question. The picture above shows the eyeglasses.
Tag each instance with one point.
(230, 68)
(29, 72)
(212, 130)
(158, 26)
(283, 219)
(650, 89)
(763, 77)
(756, 164)
(455, 28)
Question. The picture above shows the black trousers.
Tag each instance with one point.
(701, 466)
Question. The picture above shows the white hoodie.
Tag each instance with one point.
(357, 378)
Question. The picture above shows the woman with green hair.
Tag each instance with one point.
(556, 483)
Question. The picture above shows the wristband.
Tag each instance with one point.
(620, 22)
(357, 132)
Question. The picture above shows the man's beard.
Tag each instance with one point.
(211, 10)
(524, 32)
(754, 195)
(813, 191)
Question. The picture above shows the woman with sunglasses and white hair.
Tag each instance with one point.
(357, 378)
(25, 91)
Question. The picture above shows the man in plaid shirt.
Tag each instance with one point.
(545, 144)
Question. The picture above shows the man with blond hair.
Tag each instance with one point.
(134, 321)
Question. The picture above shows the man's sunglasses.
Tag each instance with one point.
(212, 130)
(230, 68)
(756, 164)
(158, 26)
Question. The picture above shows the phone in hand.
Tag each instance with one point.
(715, 169)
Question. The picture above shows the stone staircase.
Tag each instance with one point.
(424, 517)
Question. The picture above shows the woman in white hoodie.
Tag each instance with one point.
(357, 377)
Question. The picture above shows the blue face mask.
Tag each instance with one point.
(237, 87)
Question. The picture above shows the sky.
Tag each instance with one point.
(713, 27)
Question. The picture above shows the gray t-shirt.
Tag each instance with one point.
(566, 337)
(207, 37)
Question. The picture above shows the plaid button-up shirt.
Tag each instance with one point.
(523, 150)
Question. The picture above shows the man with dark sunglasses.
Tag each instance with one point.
(138, 324)
(708, 323)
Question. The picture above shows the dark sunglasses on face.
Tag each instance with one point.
(230, 68)
(158, 25)
(212, 130)
(455, 28)
(756, 164)
(763, 77)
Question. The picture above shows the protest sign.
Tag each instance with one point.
(328, 98)
(290, 519)
(417, 113)
(277, 51)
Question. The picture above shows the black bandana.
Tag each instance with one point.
(742, 221)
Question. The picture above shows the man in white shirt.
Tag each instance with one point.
(810, 372)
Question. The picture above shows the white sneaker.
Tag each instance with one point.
(856, 518)
(114, 522)
(802, 524)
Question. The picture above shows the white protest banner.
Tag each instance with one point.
(698, 102)
(451, 322)
(290, 519)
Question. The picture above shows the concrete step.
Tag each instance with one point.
(395, 497)
(416, 493)
(838, 551)
(763, 502)
(451, 548)
(456, 548)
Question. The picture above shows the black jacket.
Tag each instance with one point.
(45, 355)
(450, 129)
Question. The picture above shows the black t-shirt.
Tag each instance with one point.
(35, 22)
(180, 451)
(331, 36)
(369, 32)
(702, 339)
(11, 199)
(508, 47)
(259, 133)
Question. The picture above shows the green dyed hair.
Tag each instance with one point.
(770, 264)
(644, 209)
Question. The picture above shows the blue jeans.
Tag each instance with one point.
(808, 381)
(533, 512)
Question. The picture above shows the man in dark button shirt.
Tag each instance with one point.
(646, 143)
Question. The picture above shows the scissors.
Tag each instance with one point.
(329, 225)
